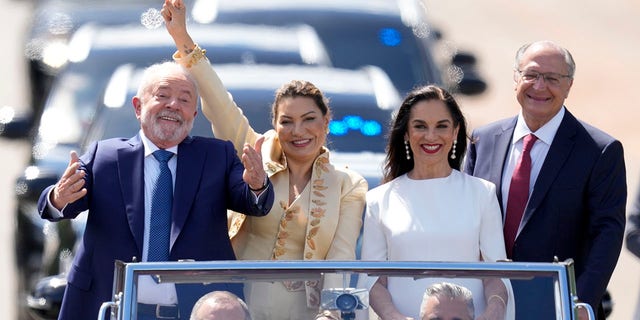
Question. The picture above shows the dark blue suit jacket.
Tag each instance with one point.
(577, 207)
(633, 226)
(208, 182)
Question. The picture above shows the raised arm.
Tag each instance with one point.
(174, 14)
(227, 120)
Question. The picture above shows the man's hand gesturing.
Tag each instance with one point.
(70, 187)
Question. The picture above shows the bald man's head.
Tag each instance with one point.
(219, 305)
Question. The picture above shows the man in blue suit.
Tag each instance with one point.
(577, 187)
(114, 181)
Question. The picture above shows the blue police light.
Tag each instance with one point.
(338, 128)
(353, 122)
(390, 37)
(369, 128)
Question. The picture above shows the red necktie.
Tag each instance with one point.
(518, 193)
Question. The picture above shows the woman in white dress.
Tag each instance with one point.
(427, 210)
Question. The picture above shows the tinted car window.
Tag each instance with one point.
(356, 38)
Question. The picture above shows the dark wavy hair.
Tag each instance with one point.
(299, 88)
(396, 163)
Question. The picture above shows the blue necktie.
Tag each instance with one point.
(161, 203)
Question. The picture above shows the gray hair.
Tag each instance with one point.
(154, 71)
(219, 297)
(568, 58)
(451, 291)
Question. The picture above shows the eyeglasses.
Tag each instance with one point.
(551, 78)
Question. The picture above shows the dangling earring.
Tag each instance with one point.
(406, 149)
(453, 150)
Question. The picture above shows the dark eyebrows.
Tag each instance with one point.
(302, 116)
(308, 113)
(443, 121)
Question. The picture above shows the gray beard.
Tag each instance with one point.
(158, 132)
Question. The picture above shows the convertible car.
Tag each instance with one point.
(348, 301)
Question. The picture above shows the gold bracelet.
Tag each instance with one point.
(497, 297)
(197, 54)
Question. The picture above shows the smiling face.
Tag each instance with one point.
(301, 128)
(541, 100)
(166, 108)
(431, 132)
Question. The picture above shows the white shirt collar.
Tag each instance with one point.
(544, 134)
(150, 148)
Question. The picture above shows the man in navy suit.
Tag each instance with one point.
(577, 189)
(114, 181)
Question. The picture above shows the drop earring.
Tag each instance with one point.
(406, 149)
(453, 150)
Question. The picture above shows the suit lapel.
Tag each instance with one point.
(188, 171)
(500, 147)
(560, 149)
(131, 177)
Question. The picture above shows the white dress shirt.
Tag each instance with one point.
(149, 291)
(545, 135)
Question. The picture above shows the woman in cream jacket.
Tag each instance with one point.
(317, 213)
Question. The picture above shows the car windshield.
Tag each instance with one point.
(355, 38)
(341, 282)
(389, 45)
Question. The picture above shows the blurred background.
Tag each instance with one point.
(603, 39)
